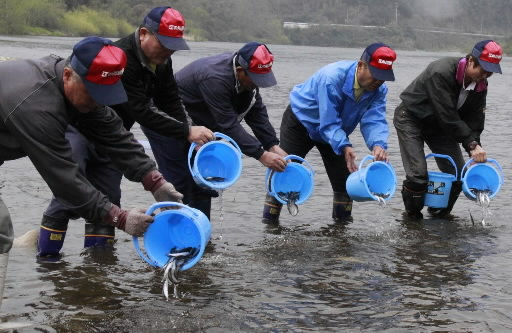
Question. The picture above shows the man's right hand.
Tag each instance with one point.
(478, 154)
(200, 135)
(273, 161)
(137, 222)
(133, 222)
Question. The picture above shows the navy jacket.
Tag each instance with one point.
(207, 88)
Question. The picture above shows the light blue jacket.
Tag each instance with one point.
(326, 106)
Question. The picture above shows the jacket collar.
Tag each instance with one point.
(461, 70)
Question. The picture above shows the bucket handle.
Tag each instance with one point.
(150, 211)
(270, 172)
(449, 159)
(489, 160)
(216, 135)
(371, 157)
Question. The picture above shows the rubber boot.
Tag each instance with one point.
(342, 207)
(454, 195)
(4, 257)
(414, 200)
(98, 234)
(202, 204)
(271, 210)
(51, 236)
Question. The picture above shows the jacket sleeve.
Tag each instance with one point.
(41, 135)
(216, 94)
(330, 127)
(475, 119)
(258, 121)
(373, 124)
(164, 113)
(445, 108)
(105, 129)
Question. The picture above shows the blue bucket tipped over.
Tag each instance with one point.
(376, 179)
(177, 229)
(481, 177)
(217, 164)
(296, 181)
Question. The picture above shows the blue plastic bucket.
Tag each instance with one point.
(217, 164)
(376, 178)
(481, 177)
(296, 178)
(174, 228)
(439, 185)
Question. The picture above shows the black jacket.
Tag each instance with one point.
(153, 99)
(432, 97)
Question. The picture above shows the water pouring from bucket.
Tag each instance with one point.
(439, 184)
(375, 182)
(217, 164)
(294, 185)
(175, 241)
(484, 178)
(481, 182)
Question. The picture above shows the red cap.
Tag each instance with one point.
(168, 25)
(489, 54)
(257, 59)
(380, 59)
(100, 64)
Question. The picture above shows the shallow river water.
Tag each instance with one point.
(376, 274)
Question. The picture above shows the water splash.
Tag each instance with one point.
(221, 213)
(291, 199)
(177, 258)
(484, 201)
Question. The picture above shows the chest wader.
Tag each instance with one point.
(98, 234)
(341, 207)
(413, 196)
(271, 210)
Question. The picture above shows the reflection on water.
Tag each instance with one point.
(378, 273)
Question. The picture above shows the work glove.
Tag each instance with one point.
(133, 222)
(160, 188)
(167, 192)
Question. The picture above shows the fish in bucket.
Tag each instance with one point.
(294, 185)
(217, 164)
(374, 182)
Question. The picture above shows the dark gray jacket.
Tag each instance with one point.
(34, 116)
(432, 97)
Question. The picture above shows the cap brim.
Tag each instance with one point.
(382, 74)
(173, 43)
(106, 94)
(490, 67)
(263, 80)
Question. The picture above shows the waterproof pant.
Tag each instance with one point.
(412, 137)
(295, 140)
(102, 175)
(171, 155)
